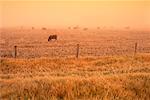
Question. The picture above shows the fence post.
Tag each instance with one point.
(77, 54)
(15, 51)
(135, 48)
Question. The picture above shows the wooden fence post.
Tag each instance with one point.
(77, 54)
(135, 48)
(15, 51)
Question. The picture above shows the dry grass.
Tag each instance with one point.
(94, 76)
(106, 78)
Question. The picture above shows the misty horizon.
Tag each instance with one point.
(114, 14)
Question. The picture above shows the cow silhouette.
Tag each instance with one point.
(51, 37)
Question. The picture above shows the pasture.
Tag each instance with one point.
(93, 42)
(106, 69)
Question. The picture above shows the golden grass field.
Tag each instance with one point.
(106, 77)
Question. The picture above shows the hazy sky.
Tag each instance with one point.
(63, 13)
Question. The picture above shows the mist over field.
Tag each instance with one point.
(62, 14)
(75, 50)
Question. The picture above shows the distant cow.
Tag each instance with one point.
(52, 37)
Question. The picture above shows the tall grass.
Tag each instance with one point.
(104, 78)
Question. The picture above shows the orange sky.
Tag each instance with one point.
(60, 13)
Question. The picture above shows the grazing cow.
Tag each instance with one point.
(52, 37)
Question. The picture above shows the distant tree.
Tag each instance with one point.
(43, 28)
(76, 27)
(127, 27)
(32, 28)
(85, 29)
(98, 27)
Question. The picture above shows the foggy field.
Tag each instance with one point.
(106, 69)
(92, 42)
(100, 50)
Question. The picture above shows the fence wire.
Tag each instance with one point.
(58, 51)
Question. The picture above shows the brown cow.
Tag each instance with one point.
(52, 37)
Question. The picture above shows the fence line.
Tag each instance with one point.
(15, 51)
(72, 51)
(77, 55)
(135, 50)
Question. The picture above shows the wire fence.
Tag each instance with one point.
(77, 51)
